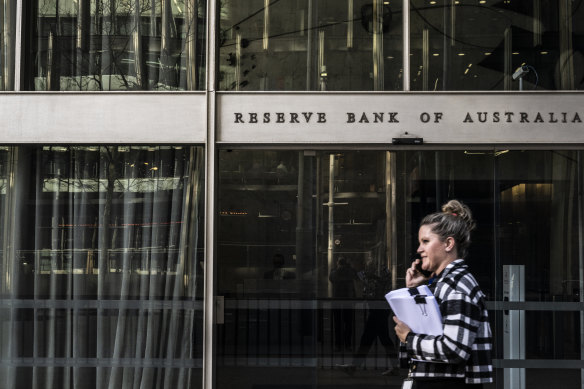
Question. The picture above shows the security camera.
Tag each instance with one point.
(520, 72)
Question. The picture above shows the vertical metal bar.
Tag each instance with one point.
(580, 204)
(237, 60)
(210, 184)
(10, 234)
(309, 38)
(165, 42)
(300, 212)
(331, 217)
(322, 75)
(153, 28)
(391, 214)
(350, 24)
(17, 45)
(5, 44)
(8, 44)
(318, 218)
(507, 59)
(406, 43)
(377, 30)
(266, 34)
(49, 83)
(453, 22)
(192, 17)
(497, 266)
(425, 57)
(537, 24)
(137, 43)
(566, 47)
(447, 45)
(81, 43)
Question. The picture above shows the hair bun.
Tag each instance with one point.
(459, 209)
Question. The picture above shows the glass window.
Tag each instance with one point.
(310, 45)
(479, 45)
(309, 243)
(102, 281)
(103, 45)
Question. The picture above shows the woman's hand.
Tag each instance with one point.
(413, 276)
(401, 329)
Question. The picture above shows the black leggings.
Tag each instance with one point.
(442, 383)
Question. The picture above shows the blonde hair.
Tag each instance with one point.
(454, 221)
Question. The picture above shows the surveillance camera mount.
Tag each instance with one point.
(519, 74)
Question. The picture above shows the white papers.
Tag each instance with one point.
(422, 316)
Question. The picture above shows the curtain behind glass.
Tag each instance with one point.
(101, 272)
(114, 45)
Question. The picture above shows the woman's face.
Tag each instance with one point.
(434, 252)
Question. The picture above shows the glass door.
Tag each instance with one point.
(303, 266)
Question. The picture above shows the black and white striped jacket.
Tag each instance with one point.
(464, 350)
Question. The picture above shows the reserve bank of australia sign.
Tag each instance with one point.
(443, 118)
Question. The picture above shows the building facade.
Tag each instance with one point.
(183, 181)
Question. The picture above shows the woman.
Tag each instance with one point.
(461, 357)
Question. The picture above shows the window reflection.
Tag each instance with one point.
(105, 251)
(310, 45)
(464, 45)
(115, 45)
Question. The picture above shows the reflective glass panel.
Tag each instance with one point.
(102, 283)
(103, 45)
(310, 45)
(308, 243)
(481, 45)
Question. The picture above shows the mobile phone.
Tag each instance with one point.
(425, 273)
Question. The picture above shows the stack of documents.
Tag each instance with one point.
(416, 307)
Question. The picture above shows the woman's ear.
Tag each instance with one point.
(449, 244)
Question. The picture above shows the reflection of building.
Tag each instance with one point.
(195, 141)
